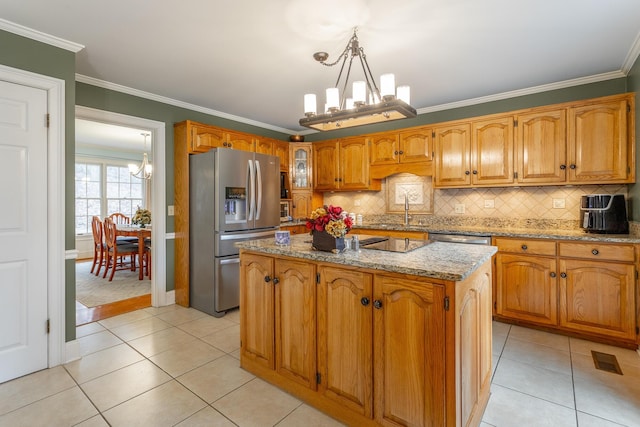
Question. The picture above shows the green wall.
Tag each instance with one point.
(26, 54)
(633, 85)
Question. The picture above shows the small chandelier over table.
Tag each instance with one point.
(144, 170)
(368, 104)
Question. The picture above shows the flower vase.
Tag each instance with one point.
(323, 241)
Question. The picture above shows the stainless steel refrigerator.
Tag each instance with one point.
(233, 196)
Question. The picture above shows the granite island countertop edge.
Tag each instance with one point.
(444, 261)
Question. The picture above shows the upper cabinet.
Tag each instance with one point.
(342, 165)
(274, 147)
(583, 142)
(597, 142)
(204, 138)
(409, 150)
(540, 146)
(301, 166)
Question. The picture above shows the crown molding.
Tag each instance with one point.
(40, 36)
(632, 56)
(153, 97)
(526, 91)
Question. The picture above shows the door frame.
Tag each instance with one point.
(158, 193)
(56, 278)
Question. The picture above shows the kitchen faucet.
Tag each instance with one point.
(406, 209)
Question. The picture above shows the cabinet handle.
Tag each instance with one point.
(552, 274)
(466, 172)
(395, 152)
(475, 172)
(563, 275)
(364, 301)
(401, 152)
(335, 179)
(276, 280)
(563, 167)
(524, 247)
(377, 304)
(572, 166)
(595, 252)
(267, 278)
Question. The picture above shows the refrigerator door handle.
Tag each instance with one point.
(252, 188)
(259, 193)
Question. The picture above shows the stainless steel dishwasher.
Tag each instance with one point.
(461, 238)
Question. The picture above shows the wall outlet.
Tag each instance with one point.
(459, 208)
(558, 204)
(490, 204)
(356, 202)
(170, 210)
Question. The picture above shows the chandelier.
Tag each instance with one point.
(144, 170)
(367, 105)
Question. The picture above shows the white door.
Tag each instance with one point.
(23, 230)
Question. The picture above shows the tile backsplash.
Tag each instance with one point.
(549, 202)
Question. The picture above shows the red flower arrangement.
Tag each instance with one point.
(330, 219)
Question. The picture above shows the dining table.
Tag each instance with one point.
(139, 232)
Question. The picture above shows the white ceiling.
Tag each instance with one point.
(252, 59)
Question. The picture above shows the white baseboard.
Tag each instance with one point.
(170, 298)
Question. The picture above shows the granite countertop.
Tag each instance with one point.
(535, 233)
(446, 261)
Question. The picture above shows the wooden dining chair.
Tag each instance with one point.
(99, 247)
(122, 219)
(114, 251)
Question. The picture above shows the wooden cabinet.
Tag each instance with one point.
(597, 144)
(597, 286)
(526, 280)
(295, 229)
(301, 166)
(409, 352)
(586, 288)
(239, 141)
(279, 294)
(345, 338)
(408, 151)
(301, 204)
(583, 142)
(390, 349)
(281, 149)
(479, 153)
(342, 165)
(492, 151)
(541, 147)
(204, 138)
(452, 162)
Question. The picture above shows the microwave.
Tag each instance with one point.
(285, 212)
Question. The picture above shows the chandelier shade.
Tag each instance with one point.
(368, 104)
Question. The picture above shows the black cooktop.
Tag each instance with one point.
(392, 244)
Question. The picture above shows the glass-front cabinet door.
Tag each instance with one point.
(301, 155)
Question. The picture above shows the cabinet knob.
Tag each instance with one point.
(524, 247)
(401, 152)
(595, 252)
(377, 304)
(267, 278)
(395, 152)
(364, 301)
(475, 172)
(335, 179)
(563, 167)
(572, 166)
(563, 275)
(276, 280)
(552, 274)
(466, 172)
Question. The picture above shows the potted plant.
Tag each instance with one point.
(328, 226)
(142, 217)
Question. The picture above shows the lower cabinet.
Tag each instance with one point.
(390, 350)
(586, 288)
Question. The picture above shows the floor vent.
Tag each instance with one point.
(606, 362)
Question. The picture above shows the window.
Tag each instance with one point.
(103, 188)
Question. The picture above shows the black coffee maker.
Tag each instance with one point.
(604, 213)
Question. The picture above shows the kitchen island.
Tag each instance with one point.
(371, 337)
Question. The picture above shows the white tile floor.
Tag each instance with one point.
(173, 366)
